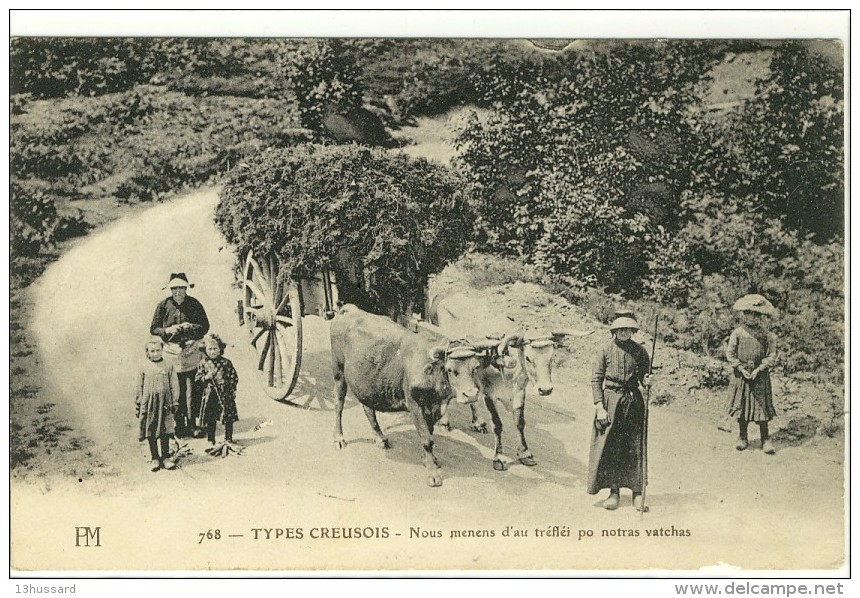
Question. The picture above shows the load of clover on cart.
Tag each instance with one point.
(317, 226)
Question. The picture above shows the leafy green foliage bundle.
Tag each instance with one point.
(326, 207)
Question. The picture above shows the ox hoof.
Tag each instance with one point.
(340, 443)
(383, 443)
(530, 461)
(498, 465)
(480, 427)
(434, 480)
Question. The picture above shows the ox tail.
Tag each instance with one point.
(433, 310)
(437, 307)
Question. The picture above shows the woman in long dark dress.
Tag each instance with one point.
(615, 460)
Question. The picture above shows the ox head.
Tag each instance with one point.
(538, 347)
(460, 366)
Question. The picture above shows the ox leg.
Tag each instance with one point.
(498, 464)
(523, 453)
(340, 398)
(434, 473)
(381, 441)
(477, 425)
(444, 421)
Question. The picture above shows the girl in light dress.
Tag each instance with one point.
(155, 399)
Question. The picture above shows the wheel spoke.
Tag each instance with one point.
(258, 270)
(257, 336)
(285, 296)
(274, 312)
(285, 350)
(285, 321)
(257, 291)
(273, 350)
(277, 286)
(262, 361)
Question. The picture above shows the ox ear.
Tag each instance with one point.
(437, 354)
(435, 358)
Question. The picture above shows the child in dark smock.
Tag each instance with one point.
(155, 394)
(615, 459)
(220, 380)
(751, 353)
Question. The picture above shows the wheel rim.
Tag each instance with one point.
(273, 317)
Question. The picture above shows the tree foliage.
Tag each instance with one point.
(784, 148)
(611, 127)
(323, 75)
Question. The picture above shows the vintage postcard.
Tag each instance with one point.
(606, 251)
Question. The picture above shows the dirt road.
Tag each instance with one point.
(274, 506)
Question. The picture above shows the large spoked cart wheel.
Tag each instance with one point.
(272, 313)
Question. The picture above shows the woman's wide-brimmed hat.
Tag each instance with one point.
(756, 303)
(178, 279)
(624, 320)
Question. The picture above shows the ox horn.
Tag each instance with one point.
(486, 344)
(567, 332)
(510, 340)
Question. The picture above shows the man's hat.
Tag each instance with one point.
(756, 303)
(624, 319)
(178, 279)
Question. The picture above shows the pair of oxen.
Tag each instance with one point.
(389, 368)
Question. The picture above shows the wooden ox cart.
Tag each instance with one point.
(272, 307)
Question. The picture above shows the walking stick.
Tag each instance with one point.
(645, 421)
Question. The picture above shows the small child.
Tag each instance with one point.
(155, 394)
(751, 352)
(219, 379)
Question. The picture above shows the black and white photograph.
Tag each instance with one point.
(429, 293)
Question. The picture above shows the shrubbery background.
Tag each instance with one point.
(617, 171)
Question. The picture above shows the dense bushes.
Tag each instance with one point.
(56, 67)
(35, 223)
(143, 143)
(598, 155)
(385, 222)
(615, 174)
(33, 220)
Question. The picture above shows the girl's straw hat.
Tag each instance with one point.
(756, 303)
